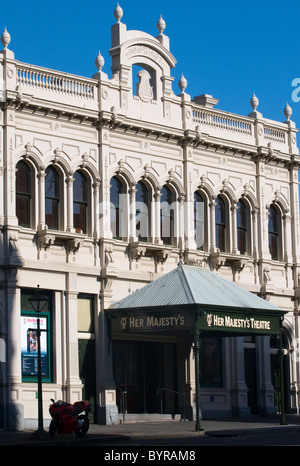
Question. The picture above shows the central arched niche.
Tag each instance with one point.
(132, 49)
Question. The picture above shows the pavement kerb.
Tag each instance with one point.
(122, 433)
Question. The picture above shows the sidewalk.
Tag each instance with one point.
(175, 429)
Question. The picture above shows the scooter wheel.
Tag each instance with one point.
(53, 427)
(82, 425)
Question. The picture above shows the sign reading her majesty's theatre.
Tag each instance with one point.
(205, 320)
(152, 321)
(239, 323)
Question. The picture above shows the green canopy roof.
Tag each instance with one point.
(194, 285)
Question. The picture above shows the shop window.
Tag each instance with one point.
(23, 194)
(52, 198)
(85, 314)
(29, 342)
(80, 204)
(210, 372)
(142, 218)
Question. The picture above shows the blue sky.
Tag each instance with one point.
(226, 49)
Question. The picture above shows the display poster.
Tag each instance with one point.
(29, 346)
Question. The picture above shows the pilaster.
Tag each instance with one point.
(73, 382)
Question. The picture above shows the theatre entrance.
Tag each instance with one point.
(145, 373)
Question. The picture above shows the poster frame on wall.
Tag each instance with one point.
(29, 353)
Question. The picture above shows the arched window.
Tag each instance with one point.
(80, 204)
(167, 215)
(241, 221)
(142, 216)
(273, 228)
(116, 207)
(52, 198)
(199, 221)
(23, 194)
(220, 216)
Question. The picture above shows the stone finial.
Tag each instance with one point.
(118, 13)
(99, 62)
(254, 102)
(161, 25)
(287, 111)
(182, 83)
(5, 38)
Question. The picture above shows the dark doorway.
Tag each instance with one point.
(86, 349)
(139, 369)
(251, 378)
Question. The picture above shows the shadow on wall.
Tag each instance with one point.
(11, 413)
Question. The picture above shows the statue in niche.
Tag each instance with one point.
(144, 89)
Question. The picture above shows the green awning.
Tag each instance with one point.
(189, 296)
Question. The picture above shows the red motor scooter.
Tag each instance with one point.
(69, 418)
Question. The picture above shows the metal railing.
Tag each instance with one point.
(160, 391)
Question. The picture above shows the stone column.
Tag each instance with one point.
(14, 410)
(212, 206)
(266, 389)
(70, 221)
(73, 382)
(157, 197)
(132, 214)
(96, 187)
(234, 228)
(106, 388)
(41, 198)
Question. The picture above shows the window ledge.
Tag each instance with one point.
(236, 261)
(160, 252)
(46, 238)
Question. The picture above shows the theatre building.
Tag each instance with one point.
(162, 232)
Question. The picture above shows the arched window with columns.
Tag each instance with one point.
(220, 223)
(118, 218)
(143, 212)
(23, 194)
(242, 223)
(52, 199)
(274, 223)
(200, 223)
(167, 215)
(80, 202)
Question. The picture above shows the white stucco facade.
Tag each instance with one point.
(153, 133)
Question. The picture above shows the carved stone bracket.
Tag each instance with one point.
(236, 262)
(73, 245)
(137, 251)
(217, 261)
(161, 255)
(238, 265)
(46, 239)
